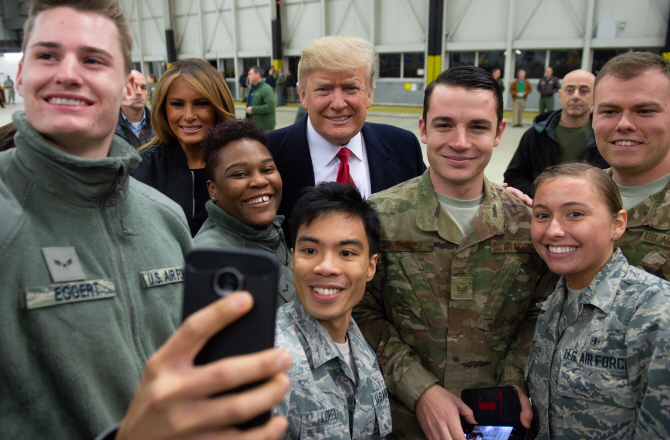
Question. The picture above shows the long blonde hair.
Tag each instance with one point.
(204, 79)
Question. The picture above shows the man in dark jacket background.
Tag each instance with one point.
(547, 86)
(135, 118)
(560, 136)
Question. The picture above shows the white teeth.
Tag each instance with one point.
(190, 128)
(341, 118)
(326, 292)
(627, 143)
(63, 101)
(561, 250)
(258, 200)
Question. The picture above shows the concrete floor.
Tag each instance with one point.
(501, 155)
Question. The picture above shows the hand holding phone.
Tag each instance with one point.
(173, 399)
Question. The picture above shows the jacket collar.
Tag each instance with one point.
(490, 220)
(177, 155)
(547, 122)
(321, 345)
(602, 290)
(652, 212)
(83, 182)
(270, 237)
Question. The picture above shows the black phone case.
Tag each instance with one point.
(254, 331)
(496, 406)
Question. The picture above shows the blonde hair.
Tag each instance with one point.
(205, 80)
(106, 8)
(337, 53)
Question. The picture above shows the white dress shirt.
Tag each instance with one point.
(326, 163)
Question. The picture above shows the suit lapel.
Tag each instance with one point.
(292, 157)
(382, 170)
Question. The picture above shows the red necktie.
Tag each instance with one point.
(343, 175)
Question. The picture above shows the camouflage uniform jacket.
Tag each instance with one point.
(602, 368)
(443, 309)
(646, 242)
(323, 393)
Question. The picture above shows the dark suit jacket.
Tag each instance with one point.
(394, 156)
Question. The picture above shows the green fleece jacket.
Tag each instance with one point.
(263, 106)
(92, 262)
(222, 230)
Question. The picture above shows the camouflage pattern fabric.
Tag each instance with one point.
(446, 309)
(646, 242)
(324, 401)
(601, 368)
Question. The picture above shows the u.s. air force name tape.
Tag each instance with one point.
(65, 293)
(656, 238)
(160, 277)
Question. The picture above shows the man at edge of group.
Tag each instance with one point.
(91, 286)
(453, 303)
(261, 102)
(337, 391)
(563, 135)
(631, 122)
(548, 85)
(135, 118)
(520, 89)
(336, 81)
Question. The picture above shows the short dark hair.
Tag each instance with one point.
(601, 181)
(332, 197)
(631, 64)
(257, 69)
(468, 77)
(222, 134)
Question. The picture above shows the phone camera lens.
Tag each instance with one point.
(228, 280)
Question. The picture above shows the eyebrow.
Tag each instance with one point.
(241, 164)
(564, 205)
(54, 45)
(438, 119)
(348, 242)
(640, 104)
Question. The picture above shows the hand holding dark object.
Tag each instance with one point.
(173, 399)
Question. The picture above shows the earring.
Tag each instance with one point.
(616, 236)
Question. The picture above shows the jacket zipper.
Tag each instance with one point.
(123, 287)
(193, 192)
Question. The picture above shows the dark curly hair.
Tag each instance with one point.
(224, 133)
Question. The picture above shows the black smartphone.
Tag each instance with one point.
(215, 273)
(498, 412)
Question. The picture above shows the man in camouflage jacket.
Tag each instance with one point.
(601, 369)
(631, 122)
(451, 310)
(337, 391)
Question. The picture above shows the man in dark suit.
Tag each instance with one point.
(336, 80)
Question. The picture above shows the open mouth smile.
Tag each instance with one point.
(257, 200)
(337, 118)
(67, 101)
(626, 143)
(561, 249)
